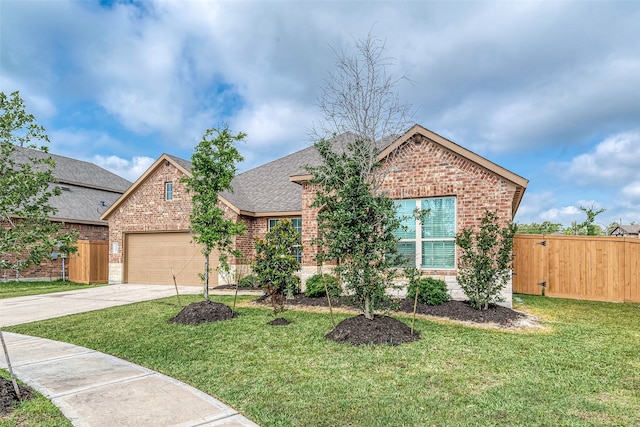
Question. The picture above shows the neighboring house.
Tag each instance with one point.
(149, 232)
(626, 231)
(87, 192)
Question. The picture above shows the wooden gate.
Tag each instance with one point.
(579, 267)
(91, 263)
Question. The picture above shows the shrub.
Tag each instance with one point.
(431, 291)
(315, 286)
(485, 261)
(250, 281)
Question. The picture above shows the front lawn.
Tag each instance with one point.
(582, 369)
(20, 289)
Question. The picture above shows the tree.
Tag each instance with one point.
(588, 226)
(546, 227)
(356, 220)
(276, 264)
(485, 261)
(213, 168)
(27, 235)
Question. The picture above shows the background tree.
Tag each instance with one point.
(356, 220)
(276, 264)
(27, 236)
(485, 261)
(588, 227)
(213, 168)
(546, 227)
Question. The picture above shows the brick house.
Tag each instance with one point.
(87, 191)
(149, 225)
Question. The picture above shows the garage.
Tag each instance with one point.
(152, 257)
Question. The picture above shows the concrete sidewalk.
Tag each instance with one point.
(96, 389)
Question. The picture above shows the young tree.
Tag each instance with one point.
(485, 262)
(213, 168)
(27, 235)
(357, 221)
(275, 264)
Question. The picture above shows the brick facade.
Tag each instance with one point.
(52, 269)
(419, 168)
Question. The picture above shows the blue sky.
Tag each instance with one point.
(547, 89)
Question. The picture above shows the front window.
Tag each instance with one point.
(297, 225)
(428, 242)
(168, 190)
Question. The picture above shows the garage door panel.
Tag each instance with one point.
(151, 258)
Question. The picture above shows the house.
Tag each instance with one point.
(149, 235)
(632, 230)
(87, 191)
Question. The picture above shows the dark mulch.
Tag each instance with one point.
(454, 310)
(279, 321)
(8, 398)
(203, 312)
(380, 330)
(233, 287)
(461, 310)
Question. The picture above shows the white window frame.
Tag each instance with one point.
(168, 191)
(418, 239)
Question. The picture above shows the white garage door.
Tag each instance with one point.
(152, 257)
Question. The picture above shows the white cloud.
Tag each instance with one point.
(130, 169)
(613, 162)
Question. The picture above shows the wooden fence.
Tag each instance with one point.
(579, 267)
(91, 263)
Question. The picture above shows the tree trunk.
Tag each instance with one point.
(206, 276)
(16, 389)
(367, 308)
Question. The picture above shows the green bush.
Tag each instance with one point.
(250, 281)
(431, 291)
(315, 286)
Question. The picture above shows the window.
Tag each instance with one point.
(430, 242)
(168, 190)
(297, 225)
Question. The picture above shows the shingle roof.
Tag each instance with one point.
(630, 229)
(88, 189)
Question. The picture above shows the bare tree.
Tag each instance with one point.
(361, 97)
(357, 221)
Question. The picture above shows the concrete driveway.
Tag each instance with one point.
(14, 311)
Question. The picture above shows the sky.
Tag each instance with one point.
(550, 90)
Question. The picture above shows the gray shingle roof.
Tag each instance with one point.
(267, 188)
(88, 189)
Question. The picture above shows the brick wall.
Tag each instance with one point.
(147, 210)
(52, 269)
(421, 168)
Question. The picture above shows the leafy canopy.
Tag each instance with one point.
(213, 167)
(27, 236)
(356, 224)
(485, 261)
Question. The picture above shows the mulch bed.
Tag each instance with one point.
(386, 330)
(279, 321)
(453, 310)
(8, 398)
(203, 312)
(379, 330)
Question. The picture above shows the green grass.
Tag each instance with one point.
(36, 412)
(20, 289)
(582, 369)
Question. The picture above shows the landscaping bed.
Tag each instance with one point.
(452, 310)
